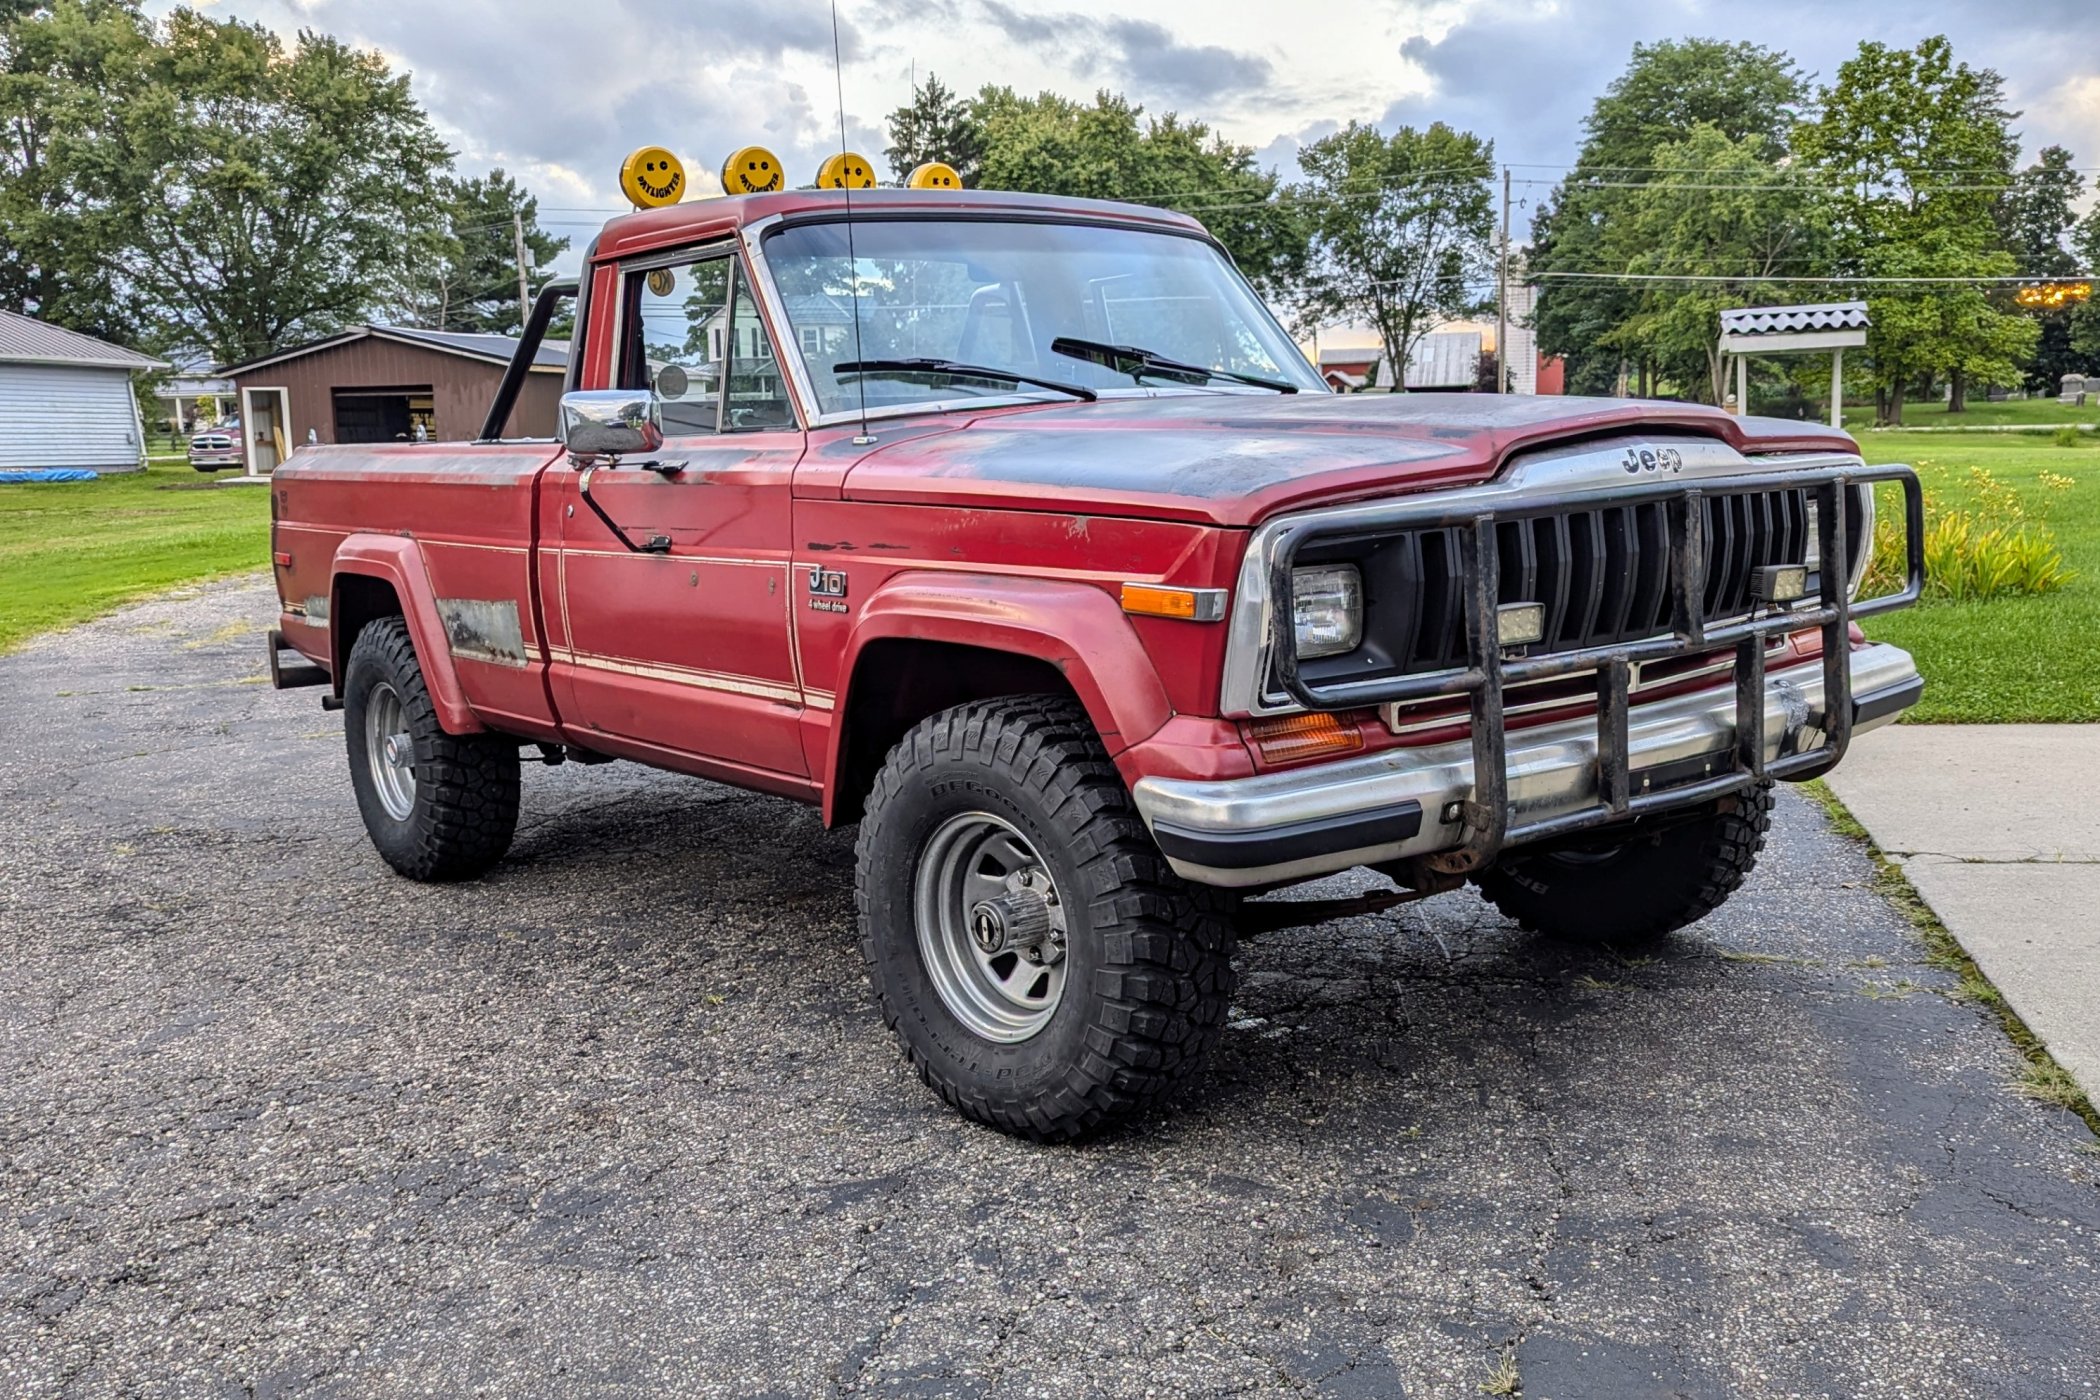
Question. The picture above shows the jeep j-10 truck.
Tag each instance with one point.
(1017, 531)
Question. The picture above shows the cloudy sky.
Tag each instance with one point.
(558, 90)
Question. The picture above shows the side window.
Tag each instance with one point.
(758, 397)
(677, 320)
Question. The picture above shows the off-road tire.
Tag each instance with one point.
(1652, 884)
(1150, 975)
(466, 786)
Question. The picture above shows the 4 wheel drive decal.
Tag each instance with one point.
(827, 589)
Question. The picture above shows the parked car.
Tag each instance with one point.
(1066, 578)
(216, 449)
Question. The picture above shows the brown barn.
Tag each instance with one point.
(388, 384)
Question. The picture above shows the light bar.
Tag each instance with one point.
(1780, 583)
(1520, 624)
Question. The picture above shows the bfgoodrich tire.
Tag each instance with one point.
(1043, 968)
(1636, 887)
(438, 806)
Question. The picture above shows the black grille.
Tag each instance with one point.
(1601, 573)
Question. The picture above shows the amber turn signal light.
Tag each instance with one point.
(1287, 738)
(1186, 604)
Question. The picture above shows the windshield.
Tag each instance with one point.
(994, 295)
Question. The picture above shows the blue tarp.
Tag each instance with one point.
(47, 474)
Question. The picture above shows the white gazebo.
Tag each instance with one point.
(1835, 326)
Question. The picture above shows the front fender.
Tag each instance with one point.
(399, 563)
(1076, 627)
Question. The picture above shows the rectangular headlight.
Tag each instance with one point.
(1328, 609)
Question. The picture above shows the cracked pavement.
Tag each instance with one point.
(620, 1118)
(2007, 854)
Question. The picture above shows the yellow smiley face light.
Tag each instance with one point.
(933, 175)
(652, 177)
(848, 170)
(752, 170)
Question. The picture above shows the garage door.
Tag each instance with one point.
(365, 415)
(63, 416)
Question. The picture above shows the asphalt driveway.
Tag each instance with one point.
(621, 1118)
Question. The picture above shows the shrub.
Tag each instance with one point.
(1995, 547)
(1965, 560)
(2067, 436)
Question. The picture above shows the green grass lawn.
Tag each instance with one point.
(2010, 659)
(1981, 413)
(70, 551)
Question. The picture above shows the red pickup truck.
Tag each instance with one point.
(1017, 531)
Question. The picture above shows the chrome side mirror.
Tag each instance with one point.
(611, 422)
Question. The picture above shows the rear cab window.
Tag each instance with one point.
(691, 332)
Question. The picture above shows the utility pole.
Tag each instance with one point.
(517, 235)
(1502, 297)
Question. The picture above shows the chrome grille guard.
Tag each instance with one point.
(1488, 670)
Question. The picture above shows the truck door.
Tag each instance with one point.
(672, 586)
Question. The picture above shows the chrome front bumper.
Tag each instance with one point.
(1306, 822)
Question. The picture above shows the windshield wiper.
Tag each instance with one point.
(928, 364)
(1136, 361)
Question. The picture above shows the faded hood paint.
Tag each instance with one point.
(1236, 459)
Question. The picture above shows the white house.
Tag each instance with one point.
(66, 400)
(192, 397)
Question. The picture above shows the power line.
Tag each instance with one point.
(1796, 187)
(1836, 278)
(1696, 169)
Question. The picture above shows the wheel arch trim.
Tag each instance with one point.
(1074, 627)
(398, 562)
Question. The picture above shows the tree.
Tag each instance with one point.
(1401, 229)
(2035, 218)
(2085, 241)
(2035, 214)
(270, 195)
(472, 285)
(935, 125)
(1110, 149)
(64, 65)
(1919, 145)
(2083, 330)
(1717, 207)
(1745, 92)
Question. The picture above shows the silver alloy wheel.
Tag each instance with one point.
(390, 751)
(991, 927)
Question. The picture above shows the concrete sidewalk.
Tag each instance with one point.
(1998, 828)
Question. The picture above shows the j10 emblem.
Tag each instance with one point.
(827, 590)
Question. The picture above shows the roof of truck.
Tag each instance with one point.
(707, 218)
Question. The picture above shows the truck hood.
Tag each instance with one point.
(1236, 459)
